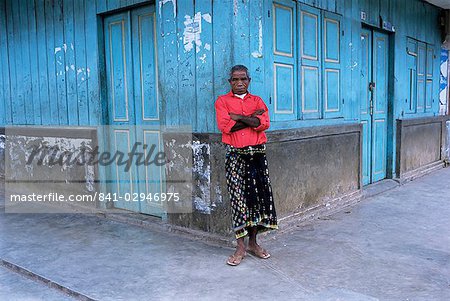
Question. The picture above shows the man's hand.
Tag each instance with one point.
(235, 117)
(258, 112)
(251, 121)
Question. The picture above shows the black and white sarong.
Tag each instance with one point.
(250, 191)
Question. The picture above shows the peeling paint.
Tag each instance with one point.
(174, 4)
(235, 7)
(90, 178)
(202, 176)
(203, 58)
(207, 47)
(219, 198)
(207, 17)
(192, 32)
(353, 65)
(82, 73)
(20, 148)
(258, 54)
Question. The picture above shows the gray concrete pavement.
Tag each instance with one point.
(393, 246)
(14, 287)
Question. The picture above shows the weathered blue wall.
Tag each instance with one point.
(50, 50)
(49, 66)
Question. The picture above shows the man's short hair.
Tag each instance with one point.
(239, 68)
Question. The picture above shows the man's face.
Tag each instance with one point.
(239, 82)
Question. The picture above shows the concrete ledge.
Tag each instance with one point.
(312, 132)
(47, 131)
(379, 187)
(156, 224)
(420, 144)
(420, 172)
(321, 210)
(38, 175)
(41, 279)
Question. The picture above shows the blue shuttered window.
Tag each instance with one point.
(420, 76)
(306, 62)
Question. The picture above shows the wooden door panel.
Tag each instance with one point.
(380, 105)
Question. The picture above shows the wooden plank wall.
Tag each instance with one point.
(49, 54)
(49, 62)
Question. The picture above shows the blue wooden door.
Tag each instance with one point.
(374, 104)
(133, 107)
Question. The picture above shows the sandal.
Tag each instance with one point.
(235, 260)
(263, 254)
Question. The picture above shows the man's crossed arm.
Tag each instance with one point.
(246, 121)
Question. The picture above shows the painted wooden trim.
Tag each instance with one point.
(375, 63)
(383, 168)
(429, 69)
(117, 169)
(314, 58)
(122, 22)
(325, 20)
(155, 43)
(366, 35)
(140, 66)
(146, 167)
(275, 88)
(291, 54)
(338, 71)
(419, 103)
(421, 47)
(303, 89)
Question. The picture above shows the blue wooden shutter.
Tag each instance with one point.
(429, 79)
(310, 56)
(331, 67)
(411, 62)
(284, 61)
(421, 57)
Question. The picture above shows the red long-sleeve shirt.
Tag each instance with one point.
(229, 103)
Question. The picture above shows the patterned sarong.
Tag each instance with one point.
(249, 187)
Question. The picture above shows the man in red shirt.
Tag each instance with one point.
(242, 118)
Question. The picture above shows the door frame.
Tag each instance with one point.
(104, 132)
